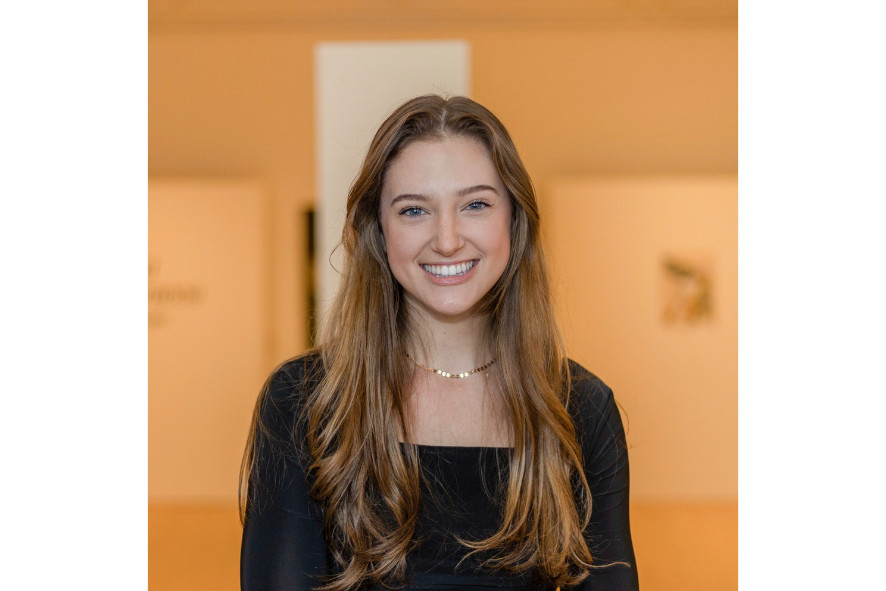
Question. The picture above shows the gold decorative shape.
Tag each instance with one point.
(686, 285)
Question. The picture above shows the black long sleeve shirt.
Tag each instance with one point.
(283, 543)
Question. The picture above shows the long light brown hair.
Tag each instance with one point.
(367, 483)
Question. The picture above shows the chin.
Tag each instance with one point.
(445, 313)
(456, 313)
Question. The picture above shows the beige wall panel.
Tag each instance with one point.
(383, 75)
(206, 337)
(678, 382)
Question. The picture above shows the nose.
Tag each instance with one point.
(447, 235)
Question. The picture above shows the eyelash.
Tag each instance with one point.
(470, 206)
(405, 211)
(485, 204)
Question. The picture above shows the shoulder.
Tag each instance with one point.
(278, 435)
(587, 393)
(296, 377)
(591, 404)
(285, 394)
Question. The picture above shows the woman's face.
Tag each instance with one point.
(445, 216)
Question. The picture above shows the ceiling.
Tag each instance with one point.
(307, 13)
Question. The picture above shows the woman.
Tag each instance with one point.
(438, 437)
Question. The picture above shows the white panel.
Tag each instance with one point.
(206, 334)
(357, 86)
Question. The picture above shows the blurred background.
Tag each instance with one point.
(625, 114)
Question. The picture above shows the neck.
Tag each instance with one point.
(453, 346)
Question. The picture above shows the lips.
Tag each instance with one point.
(449, 270)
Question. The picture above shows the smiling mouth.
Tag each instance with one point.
(449, 270)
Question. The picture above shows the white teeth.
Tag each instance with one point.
(448, 270)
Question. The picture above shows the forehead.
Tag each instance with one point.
(446, 165)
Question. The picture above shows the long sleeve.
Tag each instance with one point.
(604, 448)
(283, 545)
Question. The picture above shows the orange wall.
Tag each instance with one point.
(626, 99)
(676, 381)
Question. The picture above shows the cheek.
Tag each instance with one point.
(503, 236)
(388, 237)
(397, 249)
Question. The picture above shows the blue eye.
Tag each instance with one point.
(477, 205)
(411, 211)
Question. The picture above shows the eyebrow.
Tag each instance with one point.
(425, 198)
(475, 189)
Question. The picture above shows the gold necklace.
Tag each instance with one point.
(446, 374)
